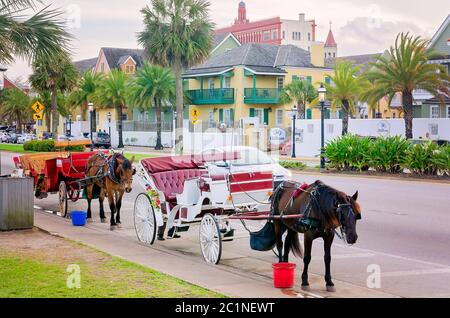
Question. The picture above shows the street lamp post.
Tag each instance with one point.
(109, 123)
(294, 118)
(70, 126)
(174, 128)
(91, 111)
(322, 95)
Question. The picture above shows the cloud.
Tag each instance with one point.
(365, 35)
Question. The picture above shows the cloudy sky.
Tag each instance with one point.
(359, 26)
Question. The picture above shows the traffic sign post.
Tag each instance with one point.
(195, 113)
(37, 107)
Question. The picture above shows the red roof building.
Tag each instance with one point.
(301, 32)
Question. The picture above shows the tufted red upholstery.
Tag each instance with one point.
(171, 182)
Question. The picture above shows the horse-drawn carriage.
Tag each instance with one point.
(183, 190)
(61, 172)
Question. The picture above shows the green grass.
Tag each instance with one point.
(138, 157)
(12, 148)
(27, 276)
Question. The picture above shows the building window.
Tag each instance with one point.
(309, 36)
(280, 82)
(227, 82)
(102, 67)
(448, 111)
(275, 35)
(211, 122)
(129, 69)
(39, 122)
(266, 35)
(124, 117)
(284, 35)
(279, 117)
(293, 35)
(211, 83)
(434, 111)
(259, 113)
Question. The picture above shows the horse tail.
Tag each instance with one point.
(296, 247)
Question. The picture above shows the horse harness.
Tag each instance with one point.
(110, 162)
(308, 222)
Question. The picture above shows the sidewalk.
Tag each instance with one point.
(231, 281)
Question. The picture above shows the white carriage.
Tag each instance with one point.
(182, 190)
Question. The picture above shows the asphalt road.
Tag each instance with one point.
(404, 232)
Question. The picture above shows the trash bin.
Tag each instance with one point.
(16, 203)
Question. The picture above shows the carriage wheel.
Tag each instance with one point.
(63, 199)
(210, 239)
(144, 219)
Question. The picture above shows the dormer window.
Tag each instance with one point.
(129, 69)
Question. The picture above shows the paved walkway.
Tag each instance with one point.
(224, 279)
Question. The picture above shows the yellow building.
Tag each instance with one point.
(246, 82)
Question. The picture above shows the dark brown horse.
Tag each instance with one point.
(325, 209)
(113, 176)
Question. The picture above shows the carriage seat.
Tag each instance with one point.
(171, 182)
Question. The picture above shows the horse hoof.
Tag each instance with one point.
(89, 220)
(119, 225)
(103, 220)
(113, 227)
(306, 288)
(331, 289)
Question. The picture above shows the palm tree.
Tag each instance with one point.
(345, 89)
(30, 37)
(153, 86)
(177, 34)
(112, 92)
(403, 69)
(16, 107)
(84, 92)
(57, 75)
(302, 93)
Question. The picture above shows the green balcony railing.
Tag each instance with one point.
(211, 96)
(262, 95)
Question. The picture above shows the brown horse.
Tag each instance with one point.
(112, 177)
(324, 209)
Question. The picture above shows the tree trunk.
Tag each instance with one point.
(84, 108)
(55, 114)
(119, 111)
(301, 110)
(19, 123)
(48, 122)
(159, 145)
(178, 69)
(408, 113)
(345, 115)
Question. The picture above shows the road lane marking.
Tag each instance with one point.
(417, 272)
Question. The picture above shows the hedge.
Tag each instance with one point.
(47, 146)
(389, 154)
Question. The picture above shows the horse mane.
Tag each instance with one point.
(326, 198)
(126, 165)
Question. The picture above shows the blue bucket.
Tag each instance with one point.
(78, 218)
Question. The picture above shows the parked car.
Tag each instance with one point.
(251, 159)
(12, 138)
(101, 140)
(3, 137)
(21, 139)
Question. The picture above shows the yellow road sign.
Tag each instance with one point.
(38, 107)
(194, 114)
(38, 116)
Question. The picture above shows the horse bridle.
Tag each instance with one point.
(340, 215)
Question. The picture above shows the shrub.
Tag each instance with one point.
(80, 148)
(30, 145)
(388, 154)
(39, 145)
(428, 158)
(296, 165)
(348, 152)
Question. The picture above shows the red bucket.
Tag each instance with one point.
(283, 275)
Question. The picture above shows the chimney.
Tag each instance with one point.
(301, 17)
